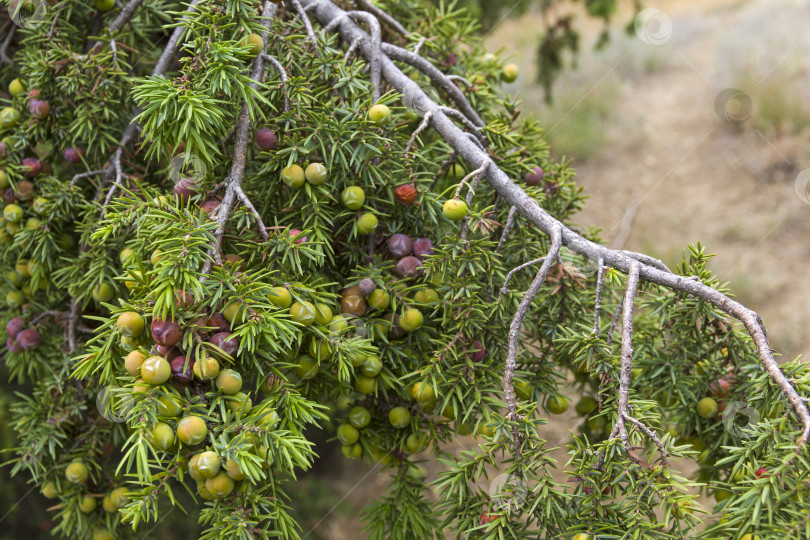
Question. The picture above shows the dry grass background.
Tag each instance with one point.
(651, 151)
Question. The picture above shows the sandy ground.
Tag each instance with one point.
(674, 173)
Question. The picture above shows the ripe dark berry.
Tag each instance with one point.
(166, 332)
(405, 194)
(762, 471)
(183, 299)
(39, 109)
(181, 372)
(422, 247)
(265, 139)
(168, 353)
(31, 166)
(24, 191)
(300, 239)
(535, 177)
(2, 149)
(185, 189)
(477, 352)
(367, 286)
(28, 339)
(14, 327)
(210, 206)
(400, 245)
(13, 346)
(720, 388)
(409, 266)
(73, 155)
(8, 196)
(221, 340)
(218, 322)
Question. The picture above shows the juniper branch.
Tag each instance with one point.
(79, 176)
(73, 320)
(627, 349)
(352, 49)
(513, 271)
(326, 11)
(514, 334)
(652, 435)
(449, 111)
(162, 65)
(123, 18)
(283, 74)
(460, 79)
(468, 199)
(413, 59)
(376, 41)
(598, 304)
(506, 228)
(383, 16)
(233, 182)
(475, 174)
(613, 323)
(6, 43)
(307, 24)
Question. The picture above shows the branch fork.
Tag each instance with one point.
(233, 183)
(649, 269)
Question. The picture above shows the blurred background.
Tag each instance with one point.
(687, 123)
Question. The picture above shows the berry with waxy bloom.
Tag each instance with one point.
(73, 154)
(166, 332)
(14, 326)
(31, 166)
(400, 245)
(409, 266)
(224, 341)
(367, 286)
(180, 371)
(422, 247)
(39, 109)
(265, 139)
(535, 177)
(28, 339)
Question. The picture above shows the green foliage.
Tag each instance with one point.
(86, 403)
